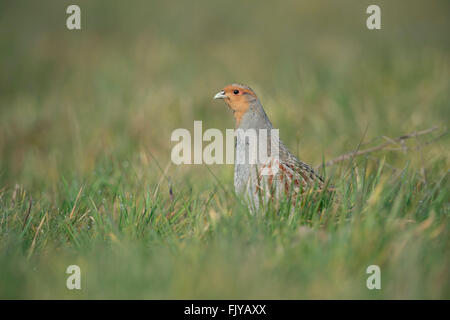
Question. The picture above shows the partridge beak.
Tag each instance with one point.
(220, 95)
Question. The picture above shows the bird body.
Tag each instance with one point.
(282, 174)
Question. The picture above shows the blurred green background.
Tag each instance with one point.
(85, 124)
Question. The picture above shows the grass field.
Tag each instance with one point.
(85, 124)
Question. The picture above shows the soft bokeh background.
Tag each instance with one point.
(93, 110)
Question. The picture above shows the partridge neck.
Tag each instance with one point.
(255, 118)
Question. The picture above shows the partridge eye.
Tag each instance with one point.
(236, 91)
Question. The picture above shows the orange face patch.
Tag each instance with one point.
(236, 99)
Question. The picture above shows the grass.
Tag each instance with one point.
(85, 124)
